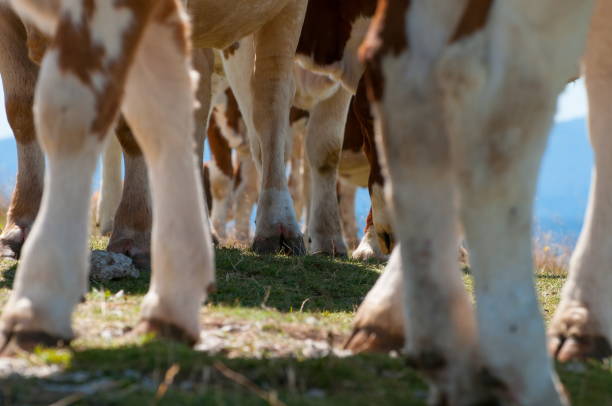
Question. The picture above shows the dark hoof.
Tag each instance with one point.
(279, 244)
(369, 339)
(579, 348)
(163, 329)
(141, 258)
(12, 241)
(14, 342)
(215, 240)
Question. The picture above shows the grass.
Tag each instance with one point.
(273, 335)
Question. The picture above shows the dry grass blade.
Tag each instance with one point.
(242, 380)
(69, 400)
(168, 379)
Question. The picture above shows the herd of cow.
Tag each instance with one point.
(456, 95)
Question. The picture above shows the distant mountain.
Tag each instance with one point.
(562, 188)
(565, 177)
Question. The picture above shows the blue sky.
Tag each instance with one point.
(572, 105)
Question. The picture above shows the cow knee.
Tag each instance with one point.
(325, 158)
(67, 110)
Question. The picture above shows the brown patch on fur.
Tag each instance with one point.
(37, 43)
(360, 111)
(126, 138)
(232, 111)
(230, 50)
(353, 134)
(296, 114)
(369, 222)
(83, 57)
(167, 16)
(238, 176)
(474, 19)
(326, 46)
(219, 148)
(387, 35)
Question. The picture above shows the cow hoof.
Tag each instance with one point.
(12, 240)
(141, 256)
(163, 329)
(365, 252)
(15, 342)
(574, 336)
(279, 244)
(373, 339)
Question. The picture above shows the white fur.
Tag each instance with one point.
(111, 185)
(514, 68)
(369, 248)
(105, 33)
(52, 274)
(182, 265)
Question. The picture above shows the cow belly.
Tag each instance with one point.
(218, 24)
(354, 168)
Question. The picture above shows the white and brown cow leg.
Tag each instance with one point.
(19, 75)
(221, 179)
(582, 325)
(131, 233)
(272, 83)
(110, 186)
(346, 201)
(499, 121)
(439, 317)
(203, 63)
(75, 106)
(182, 252)
(369, 247)
(324, 136)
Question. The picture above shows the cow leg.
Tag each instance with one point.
(244, 195)
(582, 325)
(182, 253)
(298, 129)
(110, 187)
(19, 75)
(272, 84)
(324, 136)
(498, 107)
(73, 113)
(221, 174)
(346, 200)
(369, 247)
(131, 234)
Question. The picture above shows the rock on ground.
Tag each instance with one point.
(106, 266)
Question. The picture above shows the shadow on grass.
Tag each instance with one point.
(158, 372)
(310, 283)
(136, 374)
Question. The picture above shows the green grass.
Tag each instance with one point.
(274, 332)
